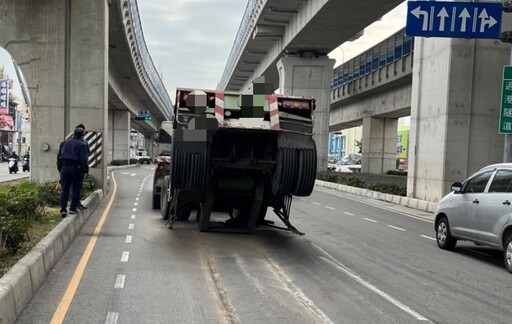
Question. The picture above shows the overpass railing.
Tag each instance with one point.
(147, 62)
(240, 40)
(381, 55)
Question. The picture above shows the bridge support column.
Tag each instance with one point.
(119, 128)
(378, 145)
(456, 91)
(66, 72)
(310, 76)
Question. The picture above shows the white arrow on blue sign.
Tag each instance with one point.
(454, 19)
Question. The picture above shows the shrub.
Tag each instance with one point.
(392, 189)
(48, 194)
(397, 172)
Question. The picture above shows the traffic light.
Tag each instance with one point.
(143, 118)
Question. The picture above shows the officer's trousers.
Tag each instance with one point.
(70, 181)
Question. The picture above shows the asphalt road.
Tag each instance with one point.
(360, 261)
(5, 176)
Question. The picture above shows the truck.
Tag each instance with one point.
(238, 154)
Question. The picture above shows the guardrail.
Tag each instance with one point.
(240, 40)
(161, 96)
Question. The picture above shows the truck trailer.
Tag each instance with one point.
(238, 154)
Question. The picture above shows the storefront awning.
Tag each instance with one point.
(6, 121)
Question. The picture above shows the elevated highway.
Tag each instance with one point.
(84, 61)
(287, 42)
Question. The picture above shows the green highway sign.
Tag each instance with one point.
(506, 102)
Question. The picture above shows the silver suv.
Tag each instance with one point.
(479, 210)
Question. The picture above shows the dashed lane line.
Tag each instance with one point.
(347, 213)
(397, 228)
(428, 237)
(315, 203)
(131, 226)
(370, 220)
(120, 279)
(112, 318)
(128, 239)
(125, 256)
(330, 208)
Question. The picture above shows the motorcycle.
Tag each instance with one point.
(13, 165)
(25, 164)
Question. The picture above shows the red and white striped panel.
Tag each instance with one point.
(274, 112)
(219, 107)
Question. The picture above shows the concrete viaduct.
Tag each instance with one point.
(84, 61)
(449, 87)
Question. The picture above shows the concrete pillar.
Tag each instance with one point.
(304, 76)
(378, 145)
(119, 128)
(455, 104)
(61, 47)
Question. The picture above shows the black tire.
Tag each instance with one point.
(507, 253)
(285, 175)
(184, 211)
(156, 201)
(444, 238)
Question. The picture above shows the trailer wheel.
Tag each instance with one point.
(285, 175)
(306, 172)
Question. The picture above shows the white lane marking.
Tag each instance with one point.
(128, 239)
(138, 195)
(112, 318)
(125, 256)
(133, 217)
(119, 282)
(370, 220)
(131, 226)
(397, 228)
(137, 199)
(347, 213)
(297, 293)
(133, 174)
(428, 237)
(315, 203)
(125, 172)
(341, 267)
(136, 204)
(330, 208)
(302, 199)
(247, 272)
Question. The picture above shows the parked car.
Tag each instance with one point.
(479, 210)
(349, 163)
(144, 159)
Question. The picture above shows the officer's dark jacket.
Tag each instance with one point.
(73, 151)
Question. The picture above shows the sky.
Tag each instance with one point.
(190, 40)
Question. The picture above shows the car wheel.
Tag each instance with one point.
(164, 204)
(507, 254)
(444, 238)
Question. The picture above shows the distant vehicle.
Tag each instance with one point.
(479, 210)
(144, 159)
(349, 163)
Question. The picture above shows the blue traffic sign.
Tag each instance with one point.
(454, 19)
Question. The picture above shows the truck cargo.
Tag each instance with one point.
(238, 154)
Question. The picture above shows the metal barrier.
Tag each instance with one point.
(161, 96)
(240, 40)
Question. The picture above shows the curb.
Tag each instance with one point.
(23, 280)
(423, 205)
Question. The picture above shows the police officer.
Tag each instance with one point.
(72, 165)
(70, 135)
